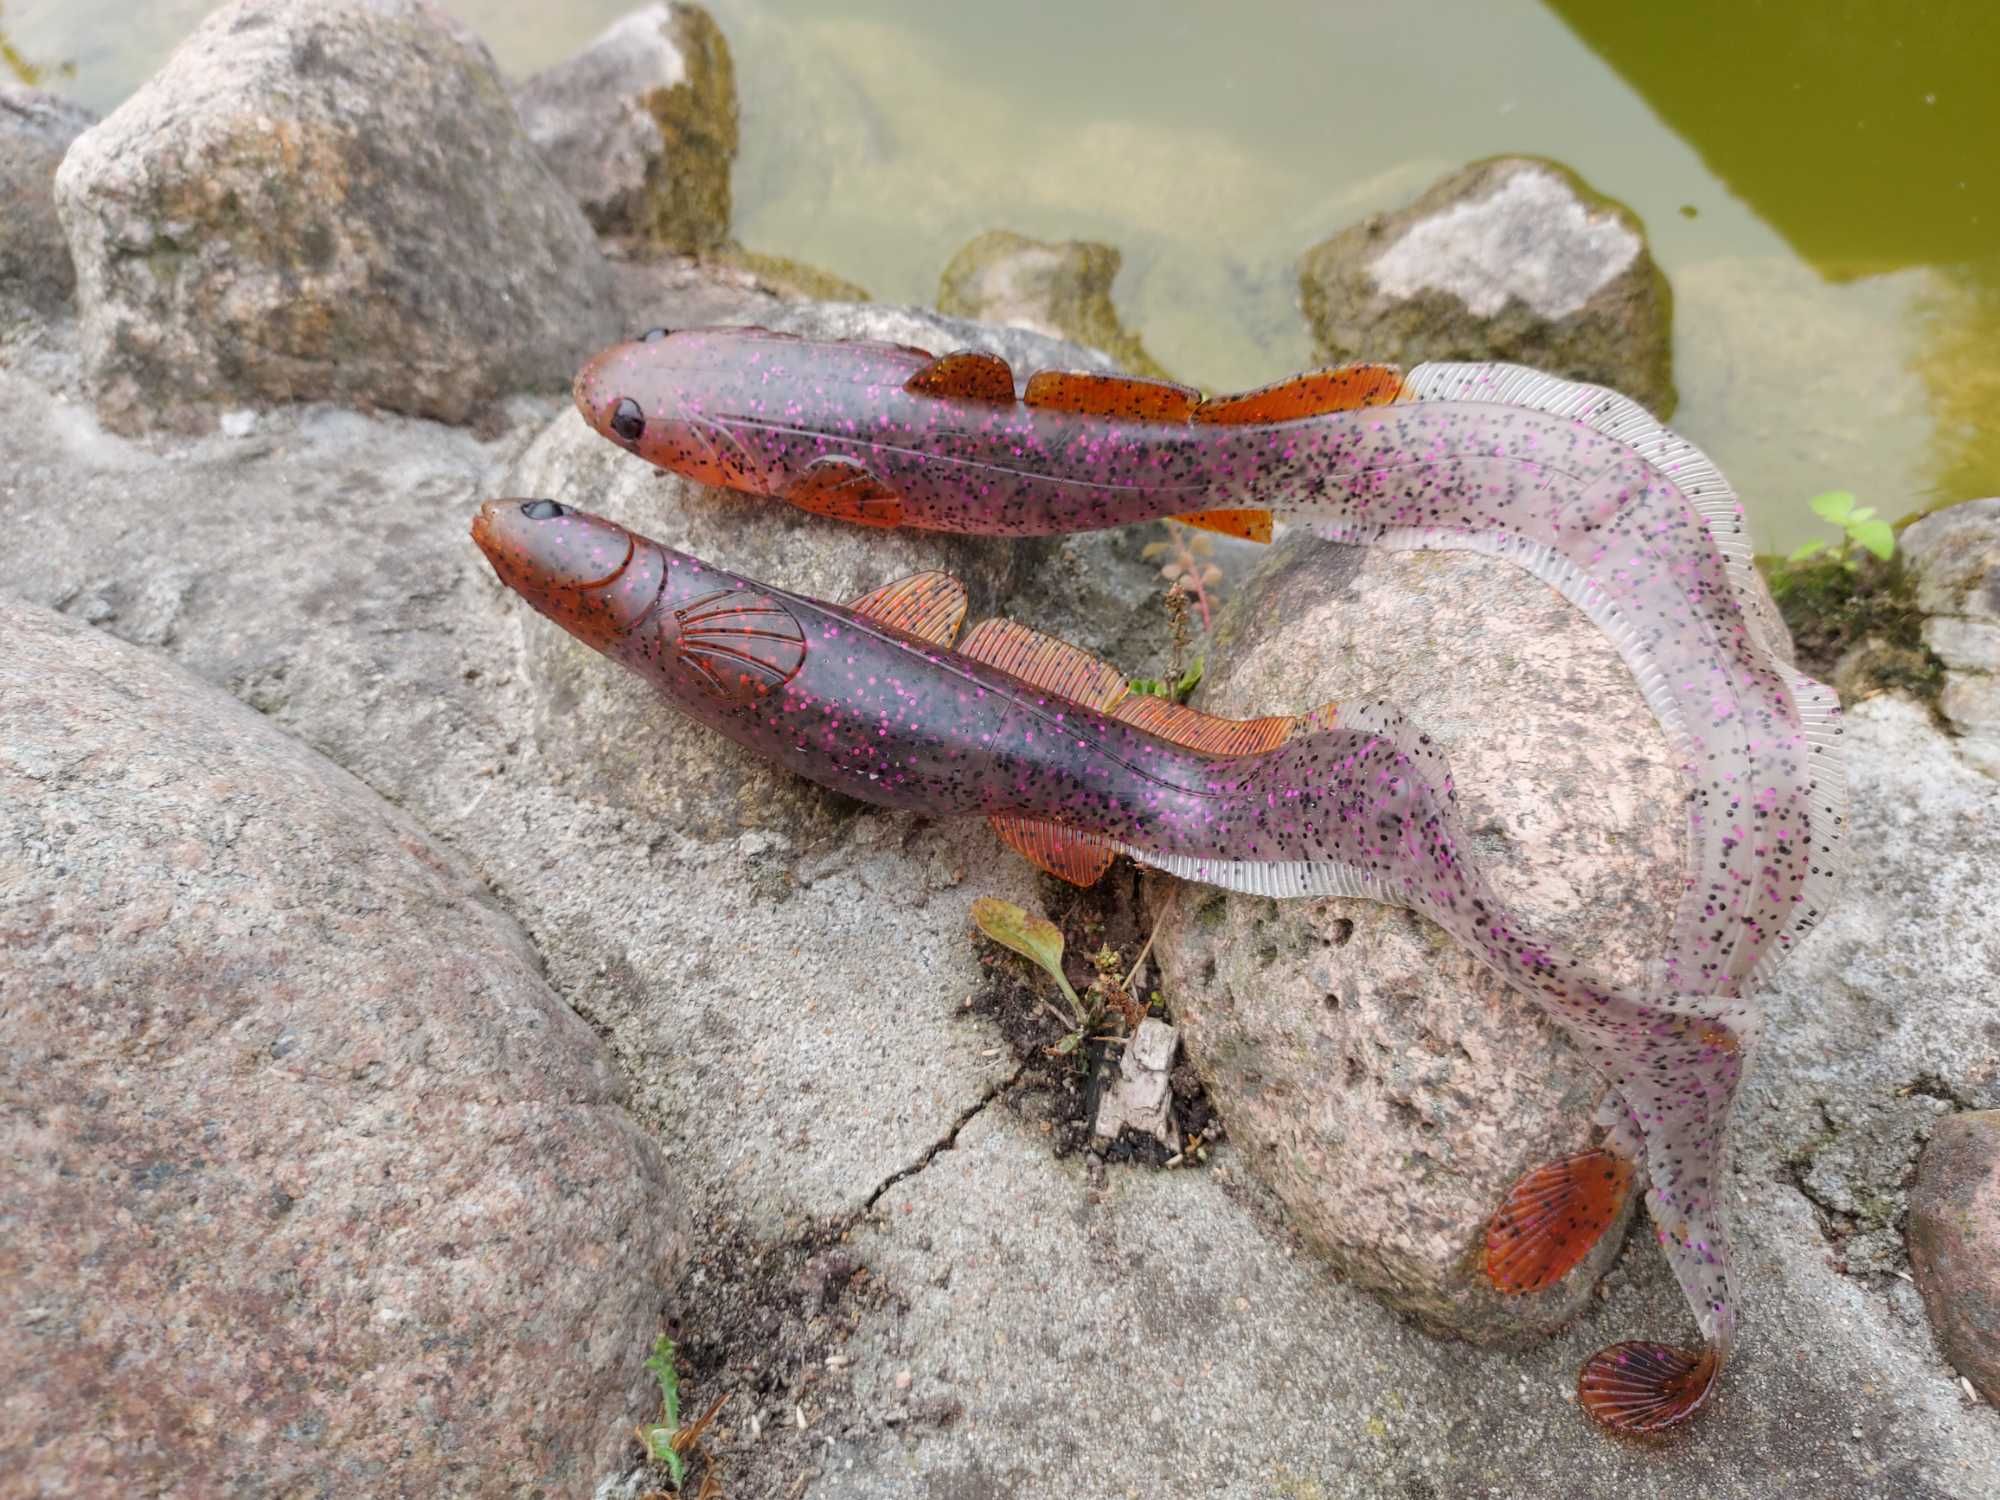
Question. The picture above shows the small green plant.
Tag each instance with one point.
(1860, 527)
(1041, 942)
(1176, 690)
(666, 1441)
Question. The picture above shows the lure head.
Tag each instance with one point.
(742, 408)
(591, 576)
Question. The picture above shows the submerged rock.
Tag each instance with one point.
(329, 200)
(1955, 1243)
(313, 1186)
(1514, 258)
(1955, 555)
(35, 129)
(641, 127)
(1384, 1084)
(1061, 289)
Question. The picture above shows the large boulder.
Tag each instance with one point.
(641, 126)
(311, 1184)
(1514, 258)
(1955, 1243)
(35, 129)
(1384, 1084)
(329, 200)
(1955, 555)
(1060, 289)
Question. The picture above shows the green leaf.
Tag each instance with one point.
(1032, 937)
(1833, 506)
(1859, 515)
(1876, 536)
(660, 1438)
(1068, 1044)
(1190, 680)
(1808, 550)
(1152, 687)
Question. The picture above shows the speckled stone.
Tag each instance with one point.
(1954, 1238)
(325, 200)
(308, 1182)
(1515, 259)
(35, 129)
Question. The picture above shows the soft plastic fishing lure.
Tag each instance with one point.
(1072, 768)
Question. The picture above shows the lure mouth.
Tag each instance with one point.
(576, 568)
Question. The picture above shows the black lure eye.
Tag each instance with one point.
(627, 420)
(653, 335)
(542, 510)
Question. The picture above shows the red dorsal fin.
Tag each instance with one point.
(841, 488)
(1204, 732)
(929, 606)
(1309, 395)
(968, 374)
(1056, 666)
(1117, 396)
(1552, 1217)
(1642, 1387)
(1251, 525)
(1067, 853)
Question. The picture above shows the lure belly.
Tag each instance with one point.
(1048, 743)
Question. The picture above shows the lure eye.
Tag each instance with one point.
(654, 335)
(542, 510)
(627, 420)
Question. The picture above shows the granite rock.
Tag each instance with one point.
(641, 127)
(1061, 289)
(1955, 1243)
(1514, 258)
(1955, 556)
(36, 128)
(329, 200)
(311, 1184)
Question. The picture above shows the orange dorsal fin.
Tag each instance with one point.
(1204, 732)
(1310, 395)
(841, 488)
(1067, 853)
(929, 606)
(1055, 666)
(1120, 397)
(967, 374)
(1643, 1387)
(1552, 1217)
(1251, 525)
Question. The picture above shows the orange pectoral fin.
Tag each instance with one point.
(738, 645)
(1251, 525)
(1067, 853)
(1552, 1217)
(842, 489)
(1204, 732)
(1641, 1388)
(1117, 396)
(967, 374)
(1310, 395)
(929, 606)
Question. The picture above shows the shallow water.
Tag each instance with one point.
(1816, 176)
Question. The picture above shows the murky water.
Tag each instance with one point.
(1817, 177)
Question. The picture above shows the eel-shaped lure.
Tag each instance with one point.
(1072, 768)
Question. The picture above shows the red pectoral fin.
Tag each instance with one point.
(738, 645)
(1309, 395)
(1642, 1388)
(1552, 1217)
(1066, 853)
(1117, 396)
(967, 374)
(842, 489)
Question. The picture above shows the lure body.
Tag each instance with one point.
(868, 699)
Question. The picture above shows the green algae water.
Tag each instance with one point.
(1817, 177)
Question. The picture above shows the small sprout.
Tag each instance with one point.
(1040, 940)
(1860, 525)
(667, 1442)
